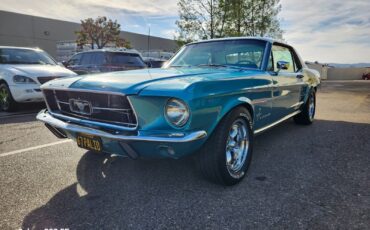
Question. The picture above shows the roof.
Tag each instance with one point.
(266, 39)
(18, 47)
(124, 50)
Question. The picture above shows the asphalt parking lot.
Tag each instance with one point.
(314, 177)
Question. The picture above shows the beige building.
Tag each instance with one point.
(31, 31)
(332, 73)
(347, 73)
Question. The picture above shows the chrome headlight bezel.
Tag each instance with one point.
(177, 112)
(20, 79)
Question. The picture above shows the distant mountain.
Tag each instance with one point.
(355, 65)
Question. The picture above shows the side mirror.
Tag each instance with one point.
(282, 65)
(65, 63)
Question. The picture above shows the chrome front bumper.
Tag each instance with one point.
(45, 117)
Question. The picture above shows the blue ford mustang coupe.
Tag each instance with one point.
(212, 97)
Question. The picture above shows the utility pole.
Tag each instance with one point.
(149, 41)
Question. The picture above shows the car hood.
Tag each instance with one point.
(40, 70)
(135, 81)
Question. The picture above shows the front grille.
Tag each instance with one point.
(43, 80)
(105, 107)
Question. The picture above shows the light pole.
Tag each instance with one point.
(149, 41)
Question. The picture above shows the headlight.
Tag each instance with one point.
(23, 80)
(177, 112)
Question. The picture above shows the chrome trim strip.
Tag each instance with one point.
(45, 117)
(133, 110)
(297, 104)
(281, 85)
(276, 122)
(83, 90)
(74, 116)
(95, 123)
(100, 108)
(112, 109)
(63, 102)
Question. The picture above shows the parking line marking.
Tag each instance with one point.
(33, 148)
(18, 115)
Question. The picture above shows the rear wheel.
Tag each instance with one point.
(307, 114)
(7, 102)
(226, 156)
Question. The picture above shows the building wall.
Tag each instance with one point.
(346, 73)
(332, 73)
(322, 69)
(31, 31)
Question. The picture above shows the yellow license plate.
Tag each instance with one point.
(89, 142)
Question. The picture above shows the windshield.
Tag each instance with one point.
(126, 59)
(241, 53)
(25, 56)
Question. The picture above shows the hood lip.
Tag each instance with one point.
(136, 88)
(39, 71)
(83, 90)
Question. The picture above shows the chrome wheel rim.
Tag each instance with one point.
(4, 98)
(237, 147)
(311, 106)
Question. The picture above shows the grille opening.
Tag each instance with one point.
(105, 107)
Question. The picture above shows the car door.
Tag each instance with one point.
(96, 62)
(74, 63)
(287, 82)
(87, 63)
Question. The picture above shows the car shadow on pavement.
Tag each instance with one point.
(301, 177)
(25, 113)
(18, 119)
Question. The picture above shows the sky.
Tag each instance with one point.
(334, 31)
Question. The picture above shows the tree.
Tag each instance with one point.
(261, 18)
(200, 19)
(205, 19)
(100, 32)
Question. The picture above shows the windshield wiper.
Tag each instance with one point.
(221, 65)
(212, 65)
(180, 66)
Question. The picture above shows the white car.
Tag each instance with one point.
(22, 71)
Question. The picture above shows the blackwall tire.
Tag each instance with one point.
(307, 115)
(7, 102)
(225, 157)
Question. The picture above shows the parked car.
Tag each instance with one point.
(22, 71)
(366, 76)
(211, 98)
(105, 60)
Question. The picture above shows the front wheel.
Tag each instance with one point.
(306, 116)
(7, 102)
(226, 156)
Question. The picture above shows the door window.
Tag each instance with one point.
(270, 66)
(280, 53)
(75, 60)
(125, 59)
(87, 58)
(99, 59)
